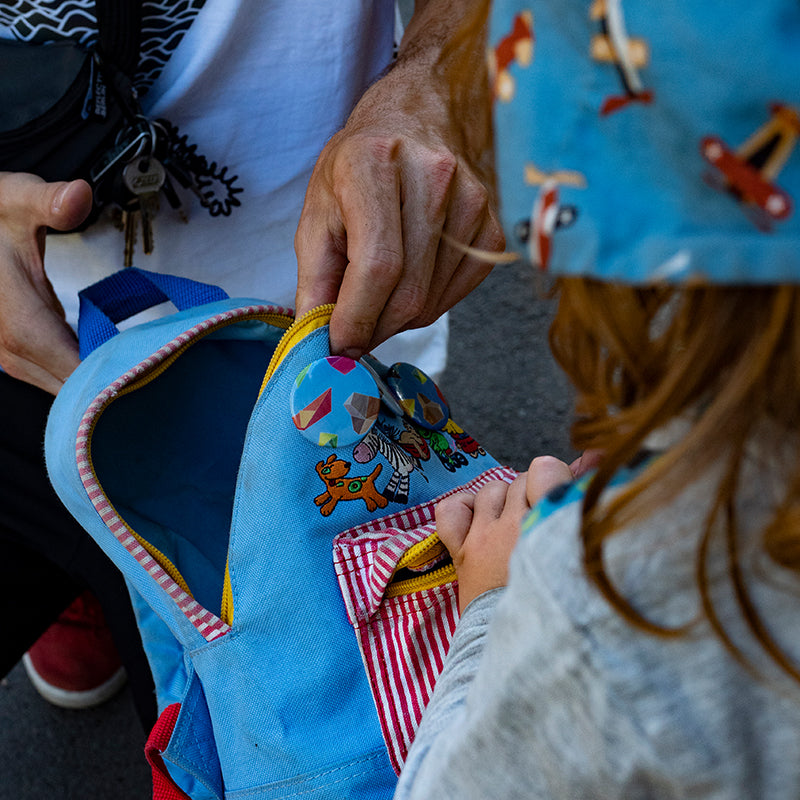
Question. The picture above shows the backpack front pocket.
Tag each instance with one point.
(400, 590)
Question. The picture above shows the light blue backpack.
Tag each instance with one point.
(201, 454)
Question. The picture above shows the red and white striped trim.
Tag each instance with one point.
(404, 639)
(208, 625)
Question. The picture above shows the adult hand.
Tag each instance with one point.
(388, 195)
(36, 344)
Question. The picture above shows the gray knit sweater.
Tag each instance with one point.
(548, 693)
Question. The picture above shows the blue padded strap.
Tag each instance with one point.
(128, 292)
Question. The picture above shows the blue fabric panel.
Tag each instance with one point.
(168, 455)
(191, 747)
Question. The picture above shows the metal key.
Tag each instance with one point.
(130, 226)
(148, 208)
(143, 177)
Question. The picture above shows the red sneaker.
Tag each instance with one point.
(74, 664)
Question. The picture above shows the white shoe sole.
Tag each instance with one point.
(75, 700)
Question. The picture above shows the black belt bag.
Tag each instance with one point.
(59, 112)
(61, 105)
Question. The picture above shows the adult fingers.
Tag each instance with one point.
(356, 199)
(28, 203)
(427, 178)
(444, 277)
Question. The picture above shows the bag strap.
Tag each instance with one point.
(119, 24)
(164, 788)
(128, 292)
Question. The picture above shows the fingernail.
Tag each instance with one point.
(59, 198)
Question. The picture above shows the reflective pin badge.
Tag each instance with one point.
(379, 372)
(419, 396)
(334, 402)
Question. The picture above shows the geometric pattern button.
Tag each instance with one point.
(334, 402)
(419, 396)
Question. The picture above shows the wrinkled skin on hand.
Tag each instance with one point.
(384, 191)
(36, 344)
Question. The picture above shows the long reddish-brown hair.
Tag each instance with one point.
(725, 358)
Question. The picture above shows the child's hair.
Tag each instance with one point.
(463, 62)
(724, 358)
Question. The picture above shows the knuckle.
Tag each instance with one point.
(476, 202)
(8, 340)
(383, 149)
(410, 300)
(440, 170)
(384, 266)
(12, 348)
(442, 167)
(375, 152)
(491, 236)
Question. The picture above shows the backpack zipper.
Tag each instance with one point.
(302, 327)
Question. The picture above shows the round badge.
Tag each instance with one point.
(334, 402)
(419, 396)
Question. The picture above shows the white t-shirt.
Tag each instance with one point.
(259, 86)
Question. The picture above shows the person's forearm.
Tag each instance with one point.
(392, 190)
(444, 48)
(421, 774)
(432, 25)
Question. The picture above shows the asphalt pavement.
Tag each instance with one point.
(503, 388)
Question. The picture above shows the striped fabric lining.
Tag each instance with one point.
(404, 639)
(208, 625)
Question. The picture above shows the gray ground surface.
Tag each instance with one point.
(503, 388)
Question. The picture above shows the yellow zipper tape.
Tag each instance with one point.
(416, 555)
(302, 327)
(422, 552)
(226, 606)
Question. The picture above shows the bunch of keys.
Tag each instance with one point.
(136, 171)
(143, 178)
(134, 178)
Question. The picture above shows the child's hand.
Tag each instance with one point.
(585, 462)
(480, 530)
(547, 472)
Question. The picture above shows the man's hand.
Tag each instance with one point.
(384, 192)
(36, 344)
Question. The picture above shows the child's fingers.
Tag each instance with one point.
(544, 474)
(515, 502)
(492, 522)
(454, 518)
(490, 501)
(585, 462)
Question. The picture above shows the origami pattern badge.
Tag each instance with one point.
(334, 402)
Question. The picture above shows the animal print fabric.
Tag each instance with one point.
(164, 24)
